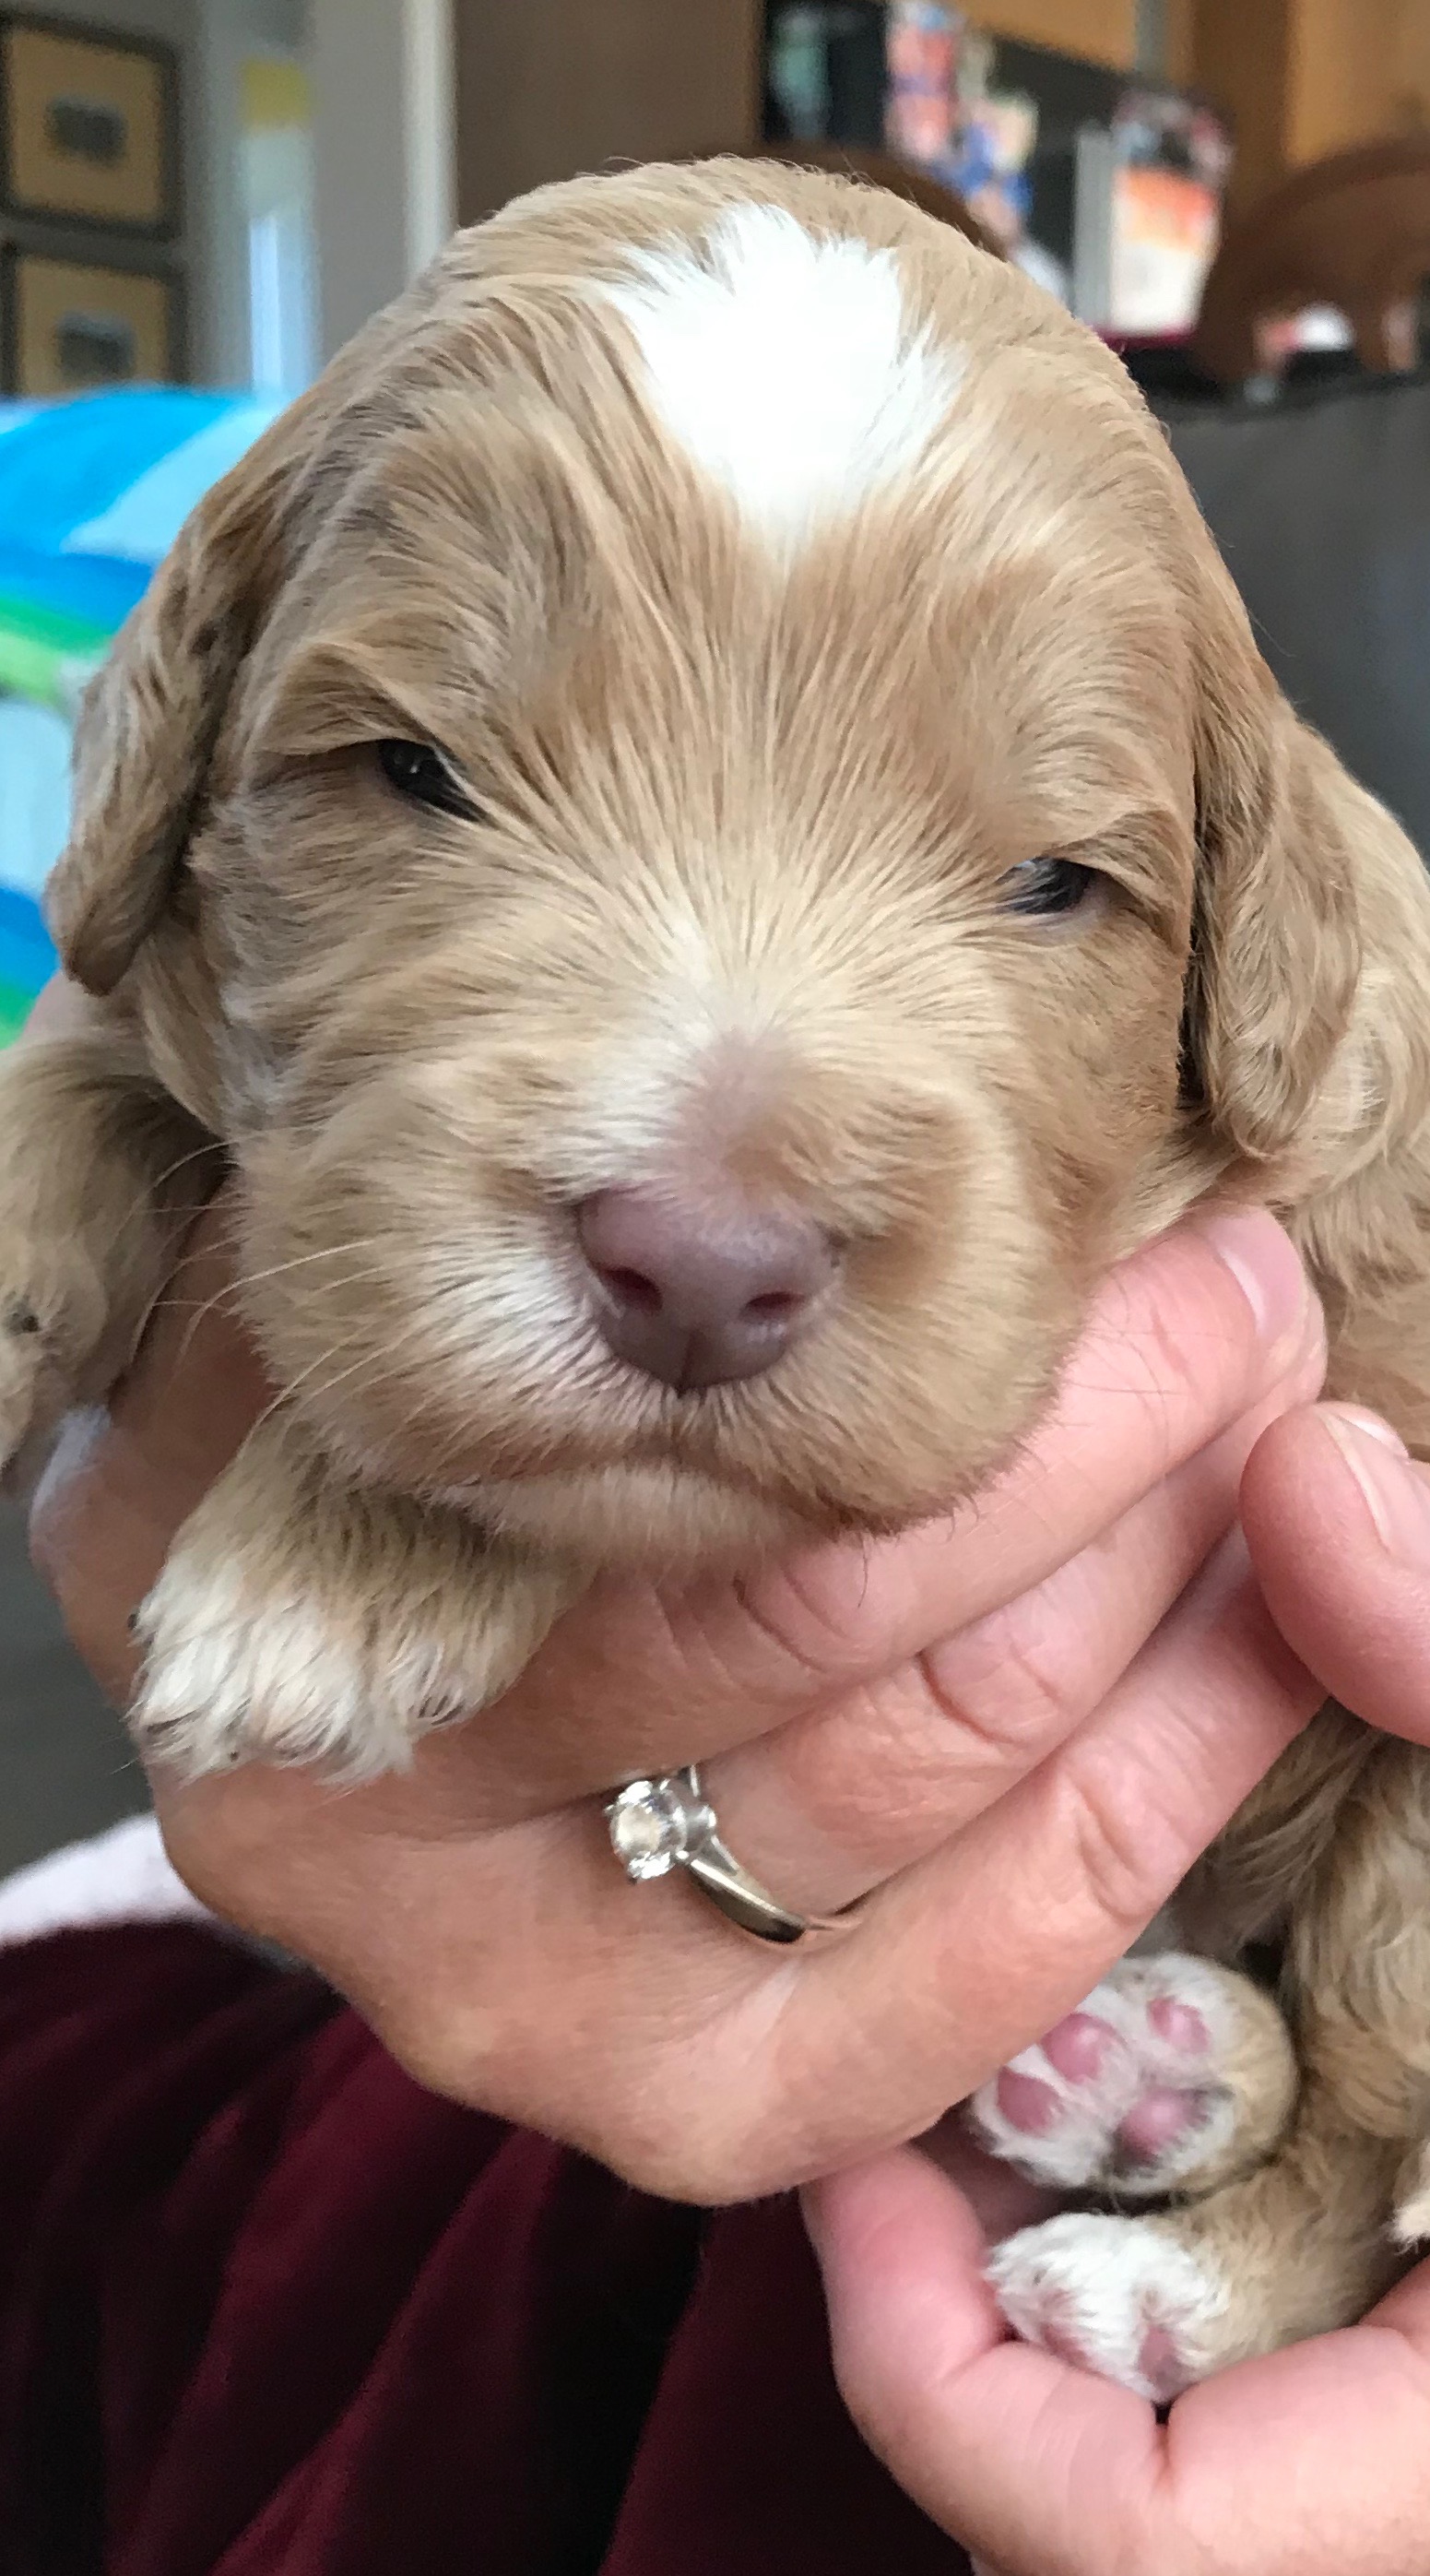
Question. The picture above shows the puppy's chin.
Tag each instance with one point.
(656, 1516)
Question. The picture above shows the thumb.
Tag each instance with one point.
(1337, 1519)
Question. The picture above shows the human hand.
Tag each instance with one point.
(1306, 2464)
(991, 1729)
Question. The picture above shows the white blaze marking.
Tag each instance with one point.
(785, 364)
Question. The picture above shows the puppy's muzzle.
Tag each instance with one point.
(697, 1288)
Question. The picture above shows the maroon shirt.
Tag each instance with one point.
(268, 2309)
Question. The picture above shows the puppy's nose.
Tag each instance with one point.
(699, 1292)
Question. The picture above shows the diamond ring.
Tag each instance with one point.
(660, 1825)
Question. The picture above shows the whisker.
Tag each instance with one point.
(233, 1289)
(330, 1252)
(144, 1198)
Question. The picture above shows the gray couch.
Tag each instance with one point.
(1321, 506)
(65, 1764)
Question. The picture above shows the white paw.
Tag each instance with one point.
(1118, 2296)
(232, 1674)
(1125, 2091)
(1410, 2215)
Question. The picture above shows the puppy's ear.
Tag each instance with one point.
(153, 716)
(1301, 875)
(149, 722)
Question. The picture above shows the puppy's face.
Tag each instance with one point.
(701, 875)
(713, 919)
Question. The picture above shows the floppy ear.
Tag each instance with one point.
(149, 721)
(1276, 924)
(152, 717)
(1311, 925)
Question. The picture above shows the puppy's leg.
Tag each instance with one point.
(99, 1170)
(1159, 2302)
(300, 1619)
(1307, 2242)
(1174, 2075)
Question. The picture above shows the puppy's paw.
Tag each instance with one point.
(298, 1621)
(243, 1665)
(1118, 2296)
(1173, 2075)
(1410, 2211)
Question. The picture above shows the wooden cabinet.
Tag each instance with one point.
(1302, 78)
(549, 87)
(91, 211)
(1359, 69)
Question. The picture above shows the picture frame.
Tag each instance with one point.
(89, 128)
(71, 323)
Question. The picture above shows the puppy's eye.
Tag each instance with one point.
(421, 774)
(1045, 889)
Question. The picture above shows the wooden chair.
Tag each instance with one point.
(882, 170)
(1353, 232)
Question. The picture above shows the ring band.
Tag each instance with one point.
(660, 1825)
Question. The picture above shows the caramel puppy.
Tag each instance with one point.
(702, 825)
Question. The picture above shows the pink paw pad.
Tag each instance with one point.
(1119, 2091)
(1120, 2296)
(1078, 2047)
(1055, 2330)
(1160, 2120)
(1026, 2104)
(1181, 2025)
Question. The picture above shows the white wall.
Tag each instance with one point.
(228, 32)
(384, 122)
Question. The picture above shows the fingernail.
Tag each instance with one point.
(1396, 1491)
(1374, 1425)
(1265, 1265)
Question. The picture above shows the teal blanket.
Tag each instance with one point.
(92, 494)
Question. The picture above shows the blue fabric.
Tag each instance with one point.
(71, 461)
(101, 589)
(93, 493)
(142, 519)
(27, 957)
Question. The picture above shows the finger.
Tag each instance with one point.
(969, 1957)
(1188, 1335)
(1338, 1521)
(1043, 2468)
(951, 2405)
(832, 1804)
(1001, 2199)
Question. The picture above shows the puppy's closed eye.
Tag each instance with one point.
(424, 777)
(1051, 889)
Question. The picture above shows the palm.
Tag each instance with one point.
(1306, 2464)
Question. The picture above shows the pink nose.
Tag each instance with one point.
(697, 1292)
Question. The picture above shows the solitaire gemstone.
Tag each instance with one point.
(648, 1827)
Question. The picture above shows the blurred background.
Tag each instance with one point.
(215, 192)
(201, 199)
